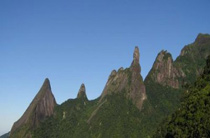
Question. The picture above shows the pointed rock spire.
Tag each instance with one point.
(128, 81)
(136, 55)
(82, 92)
(41, 107)
(45, 87)
(135, 66)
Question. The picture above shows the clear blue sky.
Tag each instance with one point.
(82, 41)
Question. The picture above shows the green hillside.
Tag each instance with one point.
(184, 70)
(117, 117)
(192, 118)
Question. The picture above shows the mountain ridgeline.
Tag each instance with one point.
(128, 106)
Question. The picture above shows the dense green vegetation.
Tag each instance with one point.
(164, 99)
(69, 120)
(192, 118)
(117, 117)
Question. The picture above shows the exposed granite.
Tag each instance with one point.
(41, 107)
(164, 72)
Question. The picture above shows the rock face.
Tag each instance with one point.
(135, 66)
(164, 72)
(127, 81)
(137, 90)
(195, 96)
(41, 107)
(185, 69)
(82, 93)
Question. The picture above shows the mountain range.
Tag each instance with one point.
(128, 106)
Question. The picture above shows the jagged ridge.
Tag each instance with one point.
(186, 68)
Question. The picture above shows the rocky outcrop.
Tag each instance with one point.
(164, 72)
(135, 66)
(127, 81)
(185, 69)
(198, 49)
(202, 39)
(82, 93)
(41, 107)
(192, 57)
(137, 91)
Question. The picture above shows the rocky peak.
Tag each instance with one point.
(135, 66)
(136, 55)
(163, 58)
(164, 72)
(46, 87)
(163, 55)
(198, 49)
(82, 92)
(192, 57)
(41, 107)
(113, 73)
(127, 81)
(202, 38)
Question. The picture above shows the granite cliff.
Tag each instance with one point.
(164, 72)
(40, 108)
(185, 69)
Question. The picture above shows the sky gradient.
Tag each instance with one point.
(75, 42)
